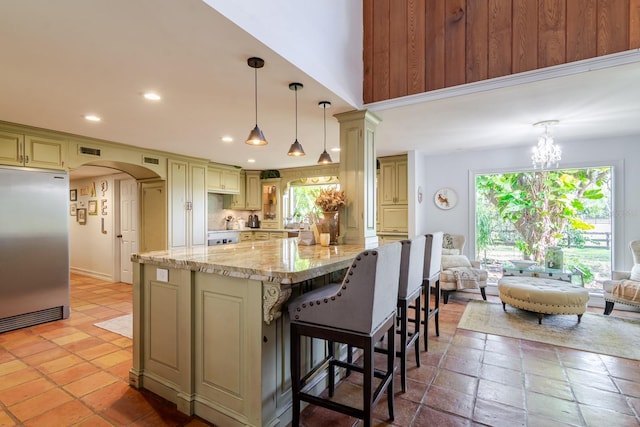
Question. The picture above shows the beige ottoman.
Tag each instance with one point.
(543, 296)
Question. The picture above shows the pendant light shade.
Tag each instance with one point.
(256, 137)
(325, 158)
(296, 148)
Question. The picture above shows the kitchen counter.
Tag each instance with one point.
(277, 261)
(210, 333)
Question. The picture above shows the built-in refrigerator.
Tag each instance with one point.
(34, 247)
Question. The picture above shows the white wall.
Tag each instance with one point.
(457, 171)
(91, 251)
(331, 30)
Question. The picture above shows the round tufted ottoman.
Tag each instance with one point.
(543, 296)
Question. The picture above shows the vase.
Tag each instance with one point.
(554, 258)
(331, 224)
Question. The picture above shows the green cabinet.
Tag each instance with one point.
(32, 151)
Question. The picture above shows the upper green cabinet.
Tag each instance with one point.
(31, 151)
(223, 180)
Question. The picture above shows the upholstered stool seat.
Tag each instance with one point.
(543, 296)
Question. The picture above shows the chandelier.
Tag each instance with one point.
(546, 153)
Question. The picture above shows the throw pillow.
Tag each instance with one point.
(635, 273)
(449, 261)
(447, 241)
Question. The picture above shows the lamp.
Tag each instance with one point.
(256, 137)
(546, 152)
(325, 158)
(296, 148)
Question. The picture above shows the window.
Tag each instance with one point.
(299, 199)
(521, 215)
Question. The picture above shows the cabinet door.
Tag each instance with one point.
(236, 201)
(214, 179)
(271, 203)
(252, 191)
(402, 186)
(394, 218)
(388, 187)
(178, 191)
(11, 146)
(198, 195)
(44, 153)
(231, 182)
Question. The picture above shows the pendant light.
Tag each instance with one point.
(296, 148)
(325, 158)
(256, 137)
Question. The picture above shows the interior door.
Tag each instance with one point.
(128, 227)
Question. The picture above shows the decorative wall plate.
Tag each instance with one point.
(445, 198)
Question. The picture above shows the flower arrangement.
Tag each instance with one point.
(330, 200)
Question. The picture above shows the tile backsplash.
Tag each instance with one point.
(216, 213)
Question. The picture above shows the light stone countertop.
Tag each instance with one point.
(278, 261)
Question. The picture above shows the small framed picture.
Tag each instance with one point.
(73, 209)
(93, 207)
(73, 195)
(81, 216)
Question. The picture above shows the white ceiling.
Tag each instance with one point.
(64, 59)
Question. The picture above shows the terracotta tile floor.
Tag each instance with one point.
(72, 373)
(475, 379)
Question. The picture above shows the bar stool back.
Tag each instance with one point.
(432, 267)
(358, 312)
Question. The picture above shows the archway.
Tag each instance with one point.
(126, 212)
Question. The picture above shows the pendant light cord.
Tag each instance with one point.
(324, 118)
(255, 92)
(296, 88)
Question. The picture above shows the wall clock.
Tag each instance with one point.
(445, 198)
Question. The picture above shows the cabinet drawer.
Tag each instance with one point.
(261, 235)
(278, 235)
(246, 235)
(394, 218)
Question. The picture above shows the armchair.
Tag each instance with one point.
(624, 287)
(457, 271)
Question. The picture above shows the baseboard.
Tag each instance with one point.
(94, 274)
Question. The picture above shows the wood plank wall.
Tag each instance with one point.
(415, 46)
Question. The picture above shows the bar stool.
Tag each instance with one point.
(409, 295)
(432, 267)
(357, 312)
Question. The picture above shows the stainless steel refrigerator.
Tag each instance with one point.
(34, 247)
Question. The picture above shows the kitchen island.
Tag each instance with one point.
(210, 333)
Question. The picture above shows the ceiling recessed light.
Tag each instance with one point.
(251, 161)
(335, 149)
(151, 96)
(226, 139)
(92, 118)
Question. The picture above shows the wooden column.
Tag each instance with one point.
(358, 176)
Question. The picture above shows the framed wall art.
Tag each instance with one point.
(93, 207)
(445, 198)
(73, 195)
(73, 208)
(81, 216)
